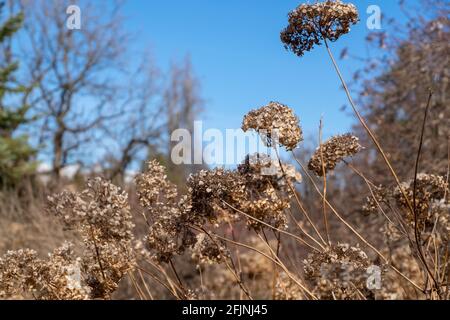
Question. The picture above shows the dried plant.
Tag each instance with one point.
(332, 152)
(339, 273)
(276, 123)
(101, 214)
(209, 250)
(168, 232)
(246, 232)
(24, 275)
(309, 24)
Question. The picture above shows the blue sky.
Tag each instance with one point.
(238, 57)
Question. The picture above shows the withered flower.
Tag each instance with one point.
(276, 123)
(333, 151)
(309, 24)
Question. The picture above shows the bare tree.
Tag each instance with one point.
(74, 73)
(141, 127)
(157, 104)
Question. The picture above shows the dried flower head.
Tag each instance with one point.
(338, 273)
(259, 188)
(276, 123)
(260, 169)
(104, 265)
(211, 190)
(333, 151)
(153, 187)
(102, 215)
(267, 190)
(23, 274)
(168, 235)
(209, 250)
(429, 188)
(169, 232)
(375, 200)
(102, 207)
(309, 24)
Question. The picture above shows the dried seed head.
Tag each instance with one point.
(104, 265)
(377, 198)
(167, 236)
(249, 189)
(168, 233)
(338, 273)
(309, 24)
(429, 188)
(276, 123)
(102, 215)
(210, 190)
(209, 251)
(101, 206)
(260, 169)
(153, 187)
(333, 151)
(23, 274)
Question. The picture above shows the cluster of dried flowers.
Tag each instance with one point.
(24, 275)
(339, 273)
(276, 123)
(209, 250)
(429, 221)
(168, 218)
(332, 152)
(429, 188)
(430, 204)
(101, 215)
(267, 185)
(309, 24)
(259, 188)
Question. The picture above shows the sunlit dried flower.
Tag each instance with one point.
(102, 215)
(258, 188)
(209, 250)
(104, 265)
(260, 169)
(429, 188)
(276, 123)
(168, 235)
(169, 232)
(211, 190)
(339, 273)
(267, 185)
(23, 274)
(333, 151)
(309, 24)
(102, 207)
(153, 187)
